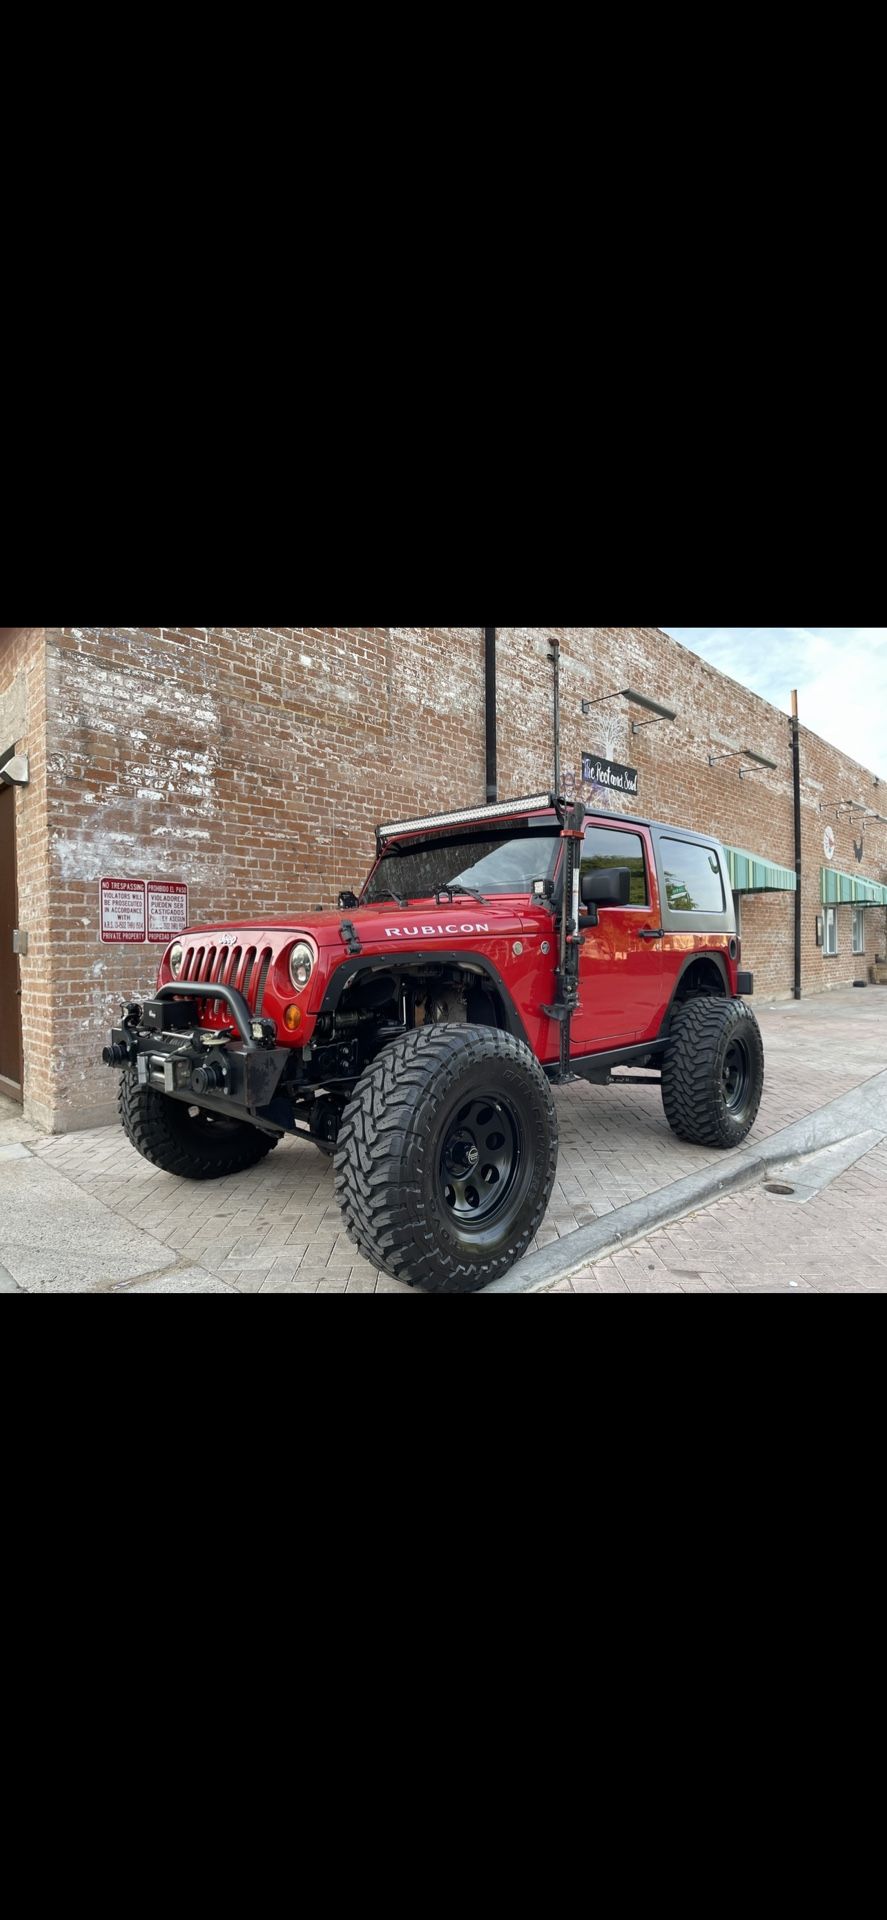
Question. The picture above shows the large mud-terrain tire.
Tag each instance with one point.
(713, 1072)
(446, 1156)
(188, 1141)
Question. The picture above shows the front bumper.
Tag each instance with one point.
(234, 1073)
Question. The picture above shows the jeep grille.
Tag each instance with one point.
(245, 968)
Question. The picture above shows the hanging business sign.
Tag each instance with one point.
(609, 773)
(828, 843)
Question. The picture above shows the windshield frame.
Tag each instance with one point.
(500, 832)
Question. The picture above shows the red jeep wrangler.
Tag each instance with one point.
(415, 1033)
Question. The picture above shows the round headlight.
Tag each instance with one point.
(301, 963)
(175, 956)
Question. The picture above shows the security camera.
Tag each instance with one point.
(15, 771)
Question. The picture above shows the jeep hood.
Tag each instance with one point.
(384, 922)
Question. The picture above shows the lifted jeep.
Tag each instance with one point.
(415, 1033)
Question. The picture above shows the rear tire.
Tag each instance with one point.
(446, 1156)
(713, 1072)
(194, 1143)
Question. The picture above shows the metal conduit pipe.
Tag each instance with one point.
(796, 784)
(490, 709)
(555, 656)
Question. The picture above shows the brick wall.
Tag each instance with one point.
(254, 762)
(251, 762)
(677, 784)
(23, 726)
(827, 775)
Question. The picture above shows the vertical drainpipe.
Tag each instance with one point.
(555, 646)
(490, 709)
(796, 782)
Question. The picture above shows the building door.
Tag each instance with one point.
(10, 985)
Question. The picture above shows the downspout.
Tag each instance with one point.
(796, 782)
(555, 646)
(490, 709)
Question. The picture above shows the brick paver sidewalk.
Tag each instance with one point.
(760, 1241)
(277, 1228)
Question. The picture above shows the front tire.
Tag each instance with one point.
(713, 1072)
(446, 1156)
(192, 1142)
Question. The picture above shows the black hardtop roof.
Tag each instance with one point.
(535, 804)
(656, 826)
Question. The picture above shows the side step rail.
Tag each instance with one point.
(633, 1080)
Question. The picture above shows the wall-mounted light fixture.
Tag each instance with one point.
(635, 700)
(746, 753)
(860, 807)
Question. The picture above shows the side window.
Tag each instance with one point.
(831, 930)
(609, 847)
(692, 876)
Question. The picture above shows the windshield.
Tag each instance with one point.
(486, 862)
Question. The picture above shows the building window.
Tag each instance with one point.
(830, 944)
(858, 930)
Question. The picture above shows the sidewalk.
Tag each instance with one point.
(832, 1240)
(84, 1212)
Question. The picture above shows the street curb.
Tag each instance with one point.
(850, 1113)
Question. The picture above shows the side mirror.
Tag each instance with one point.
(607, 887)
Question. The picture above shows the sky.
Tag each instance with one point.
(840, 674)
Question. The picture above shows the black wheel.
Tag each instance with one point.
(446, 1156)
(713, 1072)
(189, 1141)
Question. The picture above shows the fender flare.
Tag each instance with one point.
(717, 960)
(393, 962)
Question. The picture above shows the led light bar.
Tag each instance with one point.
(529, 803)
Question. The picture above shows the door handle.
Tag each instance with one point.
(650, 933)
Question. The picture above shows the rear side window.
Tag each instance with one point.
(692, 876)
(608, 847)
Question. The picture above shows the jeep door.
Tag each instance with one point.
(620, 962)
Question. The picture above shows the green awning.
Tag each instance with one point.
(838, 889)
(749, 873)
